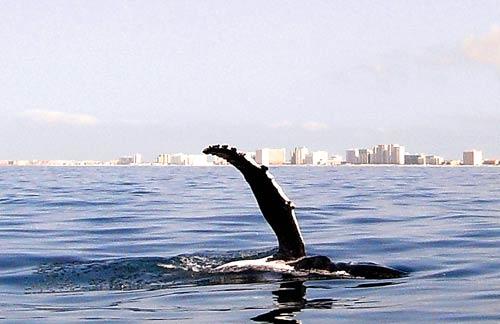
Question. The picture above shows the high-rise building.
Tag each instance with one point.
(384, 154)
(317, 158)
(137, 158)
(178, 159)
(352, 156)
(434, 160)
(277, 156)
(380, 154)
(473, 157)
(299, 155)
(262, 156)
(365, 156)
(267, 156)
(396, 154)
(163, 159)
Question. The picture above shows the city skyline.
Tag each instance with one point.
(97, 79)
(380, 154)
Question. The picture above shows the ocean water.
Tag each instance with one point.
(85, 244)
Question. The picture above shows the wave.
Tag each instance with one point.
(142, 273)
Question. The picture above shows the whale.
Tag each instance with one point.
(279, 212)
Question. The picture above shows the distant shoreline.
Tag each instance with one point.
(271, 166)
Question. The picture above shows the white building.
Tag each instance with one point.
(178, 159)
(63, 163)
(251, 155)
(299, 155)
(473, 157)
(335, 160)
(197, 160)
(163, 159)
(262, 156)
(396, 154)
(137, 158)
(267, 156)
(317, 158)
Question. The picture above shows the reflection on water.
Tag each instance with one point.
(290, 299)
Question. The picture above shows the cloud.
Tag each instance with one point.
(58, 117)
(484, 49)
(311, 126)
(314, 126)
(377, 69)
(282, 124)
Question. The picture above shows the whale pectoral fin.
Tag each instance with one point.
(273, 203)
(238, 159)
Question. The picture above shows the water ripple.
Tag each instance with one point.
(85, 244)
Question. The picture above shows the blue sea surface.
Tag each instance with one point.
(86, 244)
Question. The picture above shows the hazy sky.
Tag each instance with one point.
(101, 79)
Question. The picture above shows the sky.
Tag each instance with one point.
(103, 79)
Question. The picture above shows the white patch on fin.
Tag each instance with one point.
(264, 264)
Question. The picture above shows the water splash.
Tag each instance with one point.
(139, 273)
